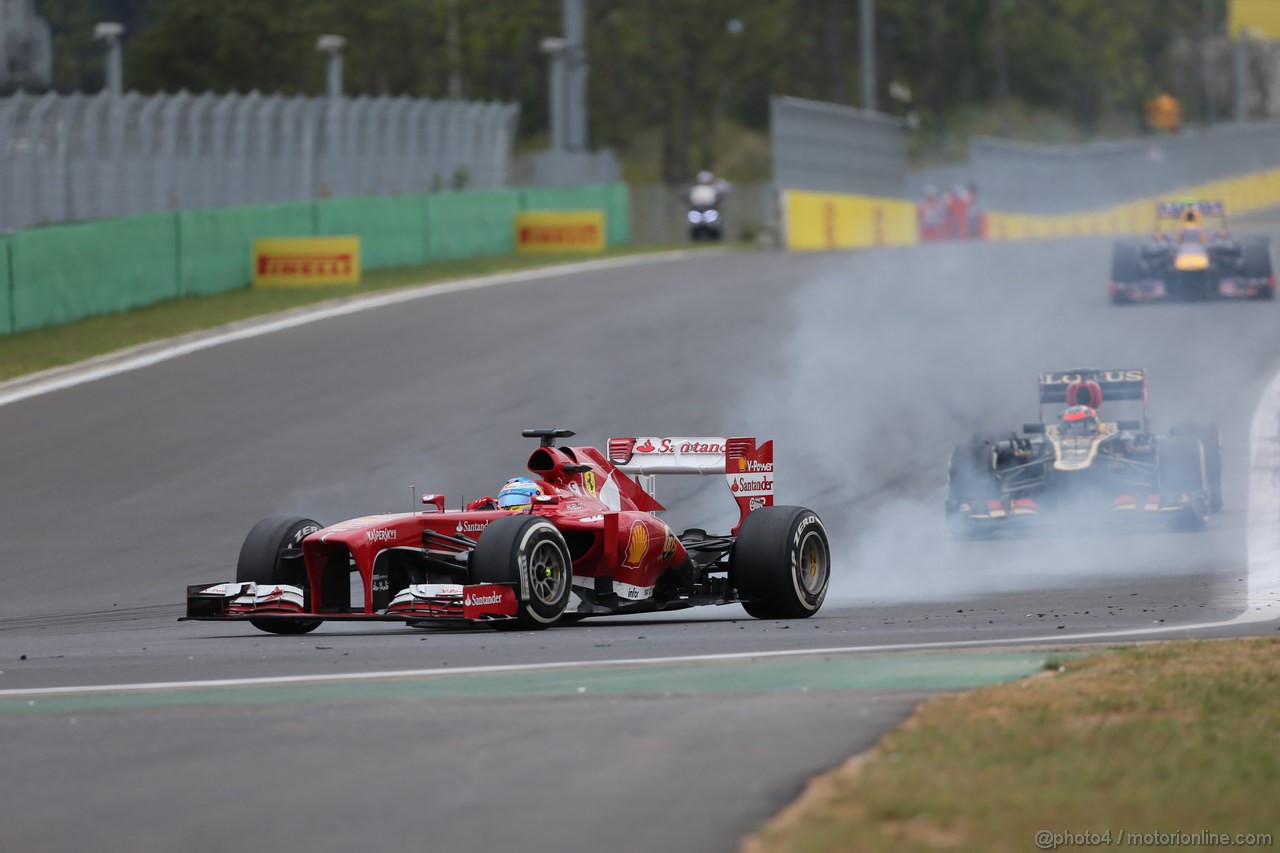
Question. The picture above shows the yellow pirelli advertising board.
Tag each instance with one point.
(554, 232)
(305, 261)
(838, 221)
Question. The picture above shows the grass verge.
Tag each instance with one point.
(1164, 738)
(56, 346)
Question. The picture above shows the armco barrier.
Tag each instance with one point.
(392, 231)
(836, 221)
(216, 246)
(73, 271)
(69, 272)
(1240, 194)
(468, 225)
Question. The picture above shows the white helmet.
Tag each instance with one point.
(705, 177)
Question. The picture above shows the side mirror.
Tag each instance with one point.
(1033, 428)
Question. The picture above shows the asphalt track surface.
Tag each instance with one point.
(865, 368)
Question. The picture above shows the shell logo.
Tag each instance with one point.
(637, 545)
(742, 463)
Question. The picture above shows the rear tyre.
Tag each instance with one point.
(1257, 263)
(1211, 443)
(781, 563)
(260, 563)
(1180, 468)
(530, 554)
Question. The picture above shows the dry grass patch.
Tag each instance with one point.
(1174, 737)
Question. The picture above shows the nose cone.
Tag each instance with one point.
(1191, 257)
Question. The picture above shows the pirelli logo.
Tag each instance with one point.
(306, 261)
(552, 235)
(560, 231)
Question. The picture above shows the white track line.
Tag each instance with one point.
(154, 686)
(145, 355)
(1263, 535)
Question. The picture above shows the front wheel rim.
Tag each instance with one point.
(547, 575)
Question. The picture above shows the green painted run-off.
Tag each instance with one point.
(890, 672)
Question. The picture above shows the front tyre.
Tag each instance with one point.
(530, 554)
(1180, 470)
(1211, 443)
(781, 563)
(260, 562)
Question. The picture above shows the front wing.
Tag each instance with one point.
(1013, 510)
(238, 602)
(1157, 289)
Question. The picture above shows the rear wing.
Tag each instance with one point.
(1092, 387)
(1175, 209)
(747, 466)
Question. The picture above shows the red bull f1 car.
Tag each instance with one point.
(581, 537)
(1195, 259)
(1080, 466)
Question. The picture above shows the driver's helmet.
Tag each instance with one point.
(518, 494)
(1080, 421)
(704, 177)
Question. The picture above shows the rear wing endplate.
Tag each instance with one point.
(746, 465)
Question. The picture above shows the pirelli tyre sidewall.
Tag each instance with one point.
(529, 553)
(259, 563)
(781, 563)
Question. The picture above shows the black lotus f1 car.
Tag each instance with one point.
(1083, 467)
(1199, 259)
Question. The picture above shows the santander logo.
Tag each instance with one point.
(477, 599)
(668, 445)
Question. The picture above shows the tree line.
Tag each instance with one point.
(682, 67)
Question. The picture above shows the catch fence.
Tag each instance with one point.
(70, 158)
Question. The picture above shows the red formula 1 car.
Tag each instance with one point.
(580, 539)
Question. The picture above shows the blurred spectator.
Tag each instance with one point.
(931, 214)
(957, 204)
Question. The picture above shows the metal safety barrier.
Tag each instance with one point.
(831, 148)
(1029, 178)
(80, 157)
